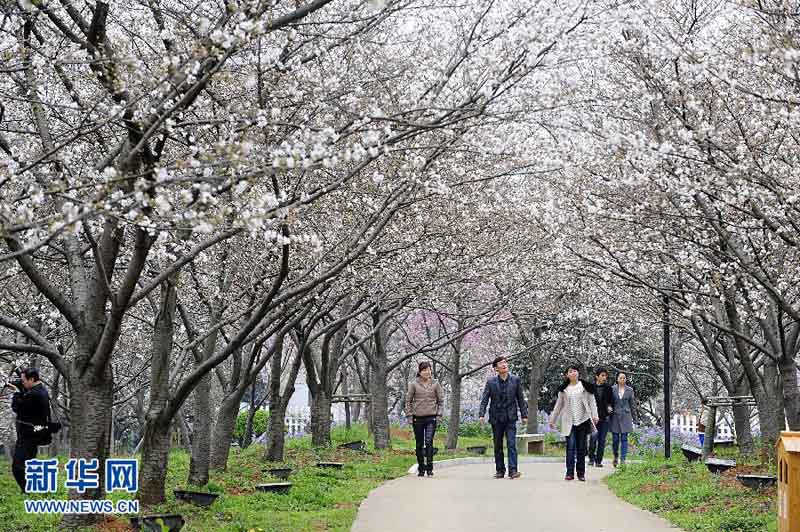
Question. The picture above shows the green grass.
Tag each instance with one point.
(693, 499)
(319, 499)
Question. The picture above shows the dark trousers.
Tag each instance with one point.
(24, 450)
(576, 448)
(597, 441)
(424, 430)
(509, 430)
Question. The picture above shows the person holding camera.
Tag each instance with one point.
(31, 404)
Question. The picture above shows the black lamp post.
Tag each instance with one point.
(667, 394)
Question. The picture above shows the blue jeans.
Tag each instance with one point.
(597, 441)
(616, 437)
(509, 430)
(576, 448)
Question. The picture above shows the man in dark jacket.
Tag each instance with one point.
(505, 393)
(32, 406)
(605, 401)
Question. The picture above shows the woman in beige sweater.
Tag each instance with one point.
(424, 408)
(575, 415)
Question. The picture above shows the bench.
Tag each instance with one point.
(531, 443)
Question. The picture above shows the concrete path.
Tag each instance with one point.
(465, 498)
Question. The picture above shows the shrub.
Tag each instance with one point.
(260, 421)
(473, 429)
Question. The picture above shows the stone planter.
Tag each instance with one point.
(279, 472)
(199, 498)
(157, 522)
(478, 449)
(354, 446)
(718, 465)
(757, 481)
(691, 452)
(275, 487)
(330, 465)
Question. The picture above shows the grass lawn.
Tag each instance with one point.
(694, 499)
(319, 499)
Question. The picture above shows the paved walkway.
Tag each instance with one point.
(465, 498)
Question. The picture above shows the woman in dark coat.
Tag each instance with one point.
(622, 418)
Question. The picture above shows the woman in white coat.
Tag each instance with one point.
(575, 414)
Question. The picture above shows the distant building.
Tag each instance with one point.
(686, 422)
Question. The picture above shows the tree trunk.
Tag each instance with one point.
(767, 406)
(201, 426)
(57, 446)
(247, 437)
(185, 435)
(741, 421)
(153, 464)
(90, 414)
(791, 392)
(774, 415)
(156, 441)
(9, 442)
(536, 381)
(275, 434)
(224, 429)
(278, 405)
(455, 408)
(346, 389)
(320, 418)
(380, 405)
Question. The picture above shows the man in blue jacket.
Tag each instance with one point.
(505, 393)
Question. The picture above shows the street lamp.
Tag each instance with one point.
(667, 394)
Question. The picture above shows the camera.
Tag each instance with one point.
(16, 381)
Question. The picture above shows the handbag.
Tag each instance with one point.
(51, 426)
(44, 434)
(591, 421)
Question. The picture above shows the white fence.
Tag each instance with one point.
(687, 423)
(297, 419)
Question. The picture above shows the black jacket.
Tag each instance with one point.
(32, 408)
(498, 412)
(605, 398)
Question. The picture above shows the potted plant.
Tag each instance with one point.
(757, 481)
(158, 522)
(477, 449)
(719, 465)
(275, 487)
(278, 472)
(200, 496)
(354, 446)
(330, 465)
(691, 452)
